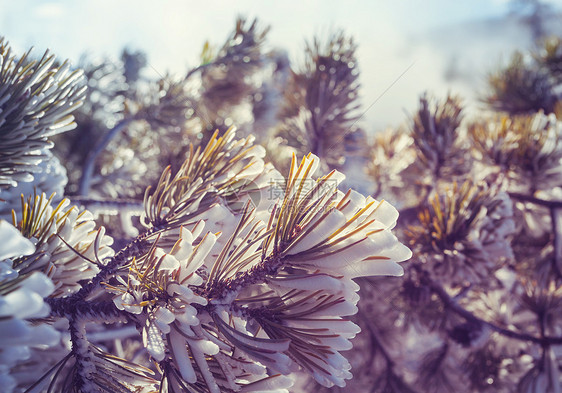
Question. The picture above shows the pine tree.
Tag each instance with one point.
(232, 277)
(155, 248)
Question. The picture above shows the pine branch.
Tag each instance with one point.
(257, 274)
(135, 248)
(37, 99)
(322, 105)
(552, 204)
(457, 309)
(82, 355)
(88, 167)
(521, 87)
(436, 134)
(94, 311)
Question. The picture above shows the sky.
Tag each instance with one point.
(403, 48)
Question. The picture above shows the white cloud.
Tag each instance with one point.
(49, 10)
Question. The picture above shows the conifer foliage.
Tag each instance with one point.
(157, 249)
(479, 307)
(234, 278)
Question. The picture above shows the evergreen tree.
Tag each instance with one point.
(159, 250)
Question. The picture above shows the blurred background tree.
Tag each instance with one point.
(480, 197)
